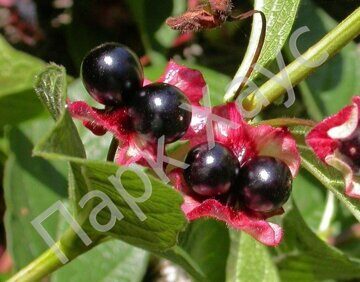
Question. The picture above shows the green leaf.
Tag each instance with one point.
(17, 74)
(17, 69)
(3, 150)
(308, 258)
(110, 261)
(201, 241)
(280, 16)
(330, 178)
(249, 260)
(19, 107)
(4, 277)
(64, 139)
(179, 256)
(164, 217)
(52, 91)
(23, 173)
(31, 185)
(338, 79)
(50, 86)
(310, 197)
(24, 203)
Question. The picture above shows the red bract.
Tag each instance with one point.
(246, 142)
(132, 147)
(335, 141)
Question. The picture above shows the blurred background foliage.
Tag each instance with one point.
(62, 31)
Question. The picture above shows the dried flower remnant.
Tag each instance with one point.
(208, 14)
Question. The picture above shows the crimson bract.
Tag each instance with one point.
(335, 141)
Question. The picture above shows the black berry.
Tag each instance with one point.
(265, 184)
(212, 171)
(156, 112)
(111, 73)
(351, 149)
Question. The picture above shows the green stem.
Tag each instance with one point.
(69, 244)
(277, 122)
(39, 268)
(328, 215)
(297, 71)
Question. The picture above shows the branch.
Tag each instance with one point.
(297, 71)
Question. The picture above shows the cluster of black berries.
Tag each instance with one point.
(113, 76)
(263, 184)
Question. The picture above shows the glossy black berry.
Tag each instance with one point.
(156, 112)
(351, 149)
(111, 73)
(212, 171)
(264, 184)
